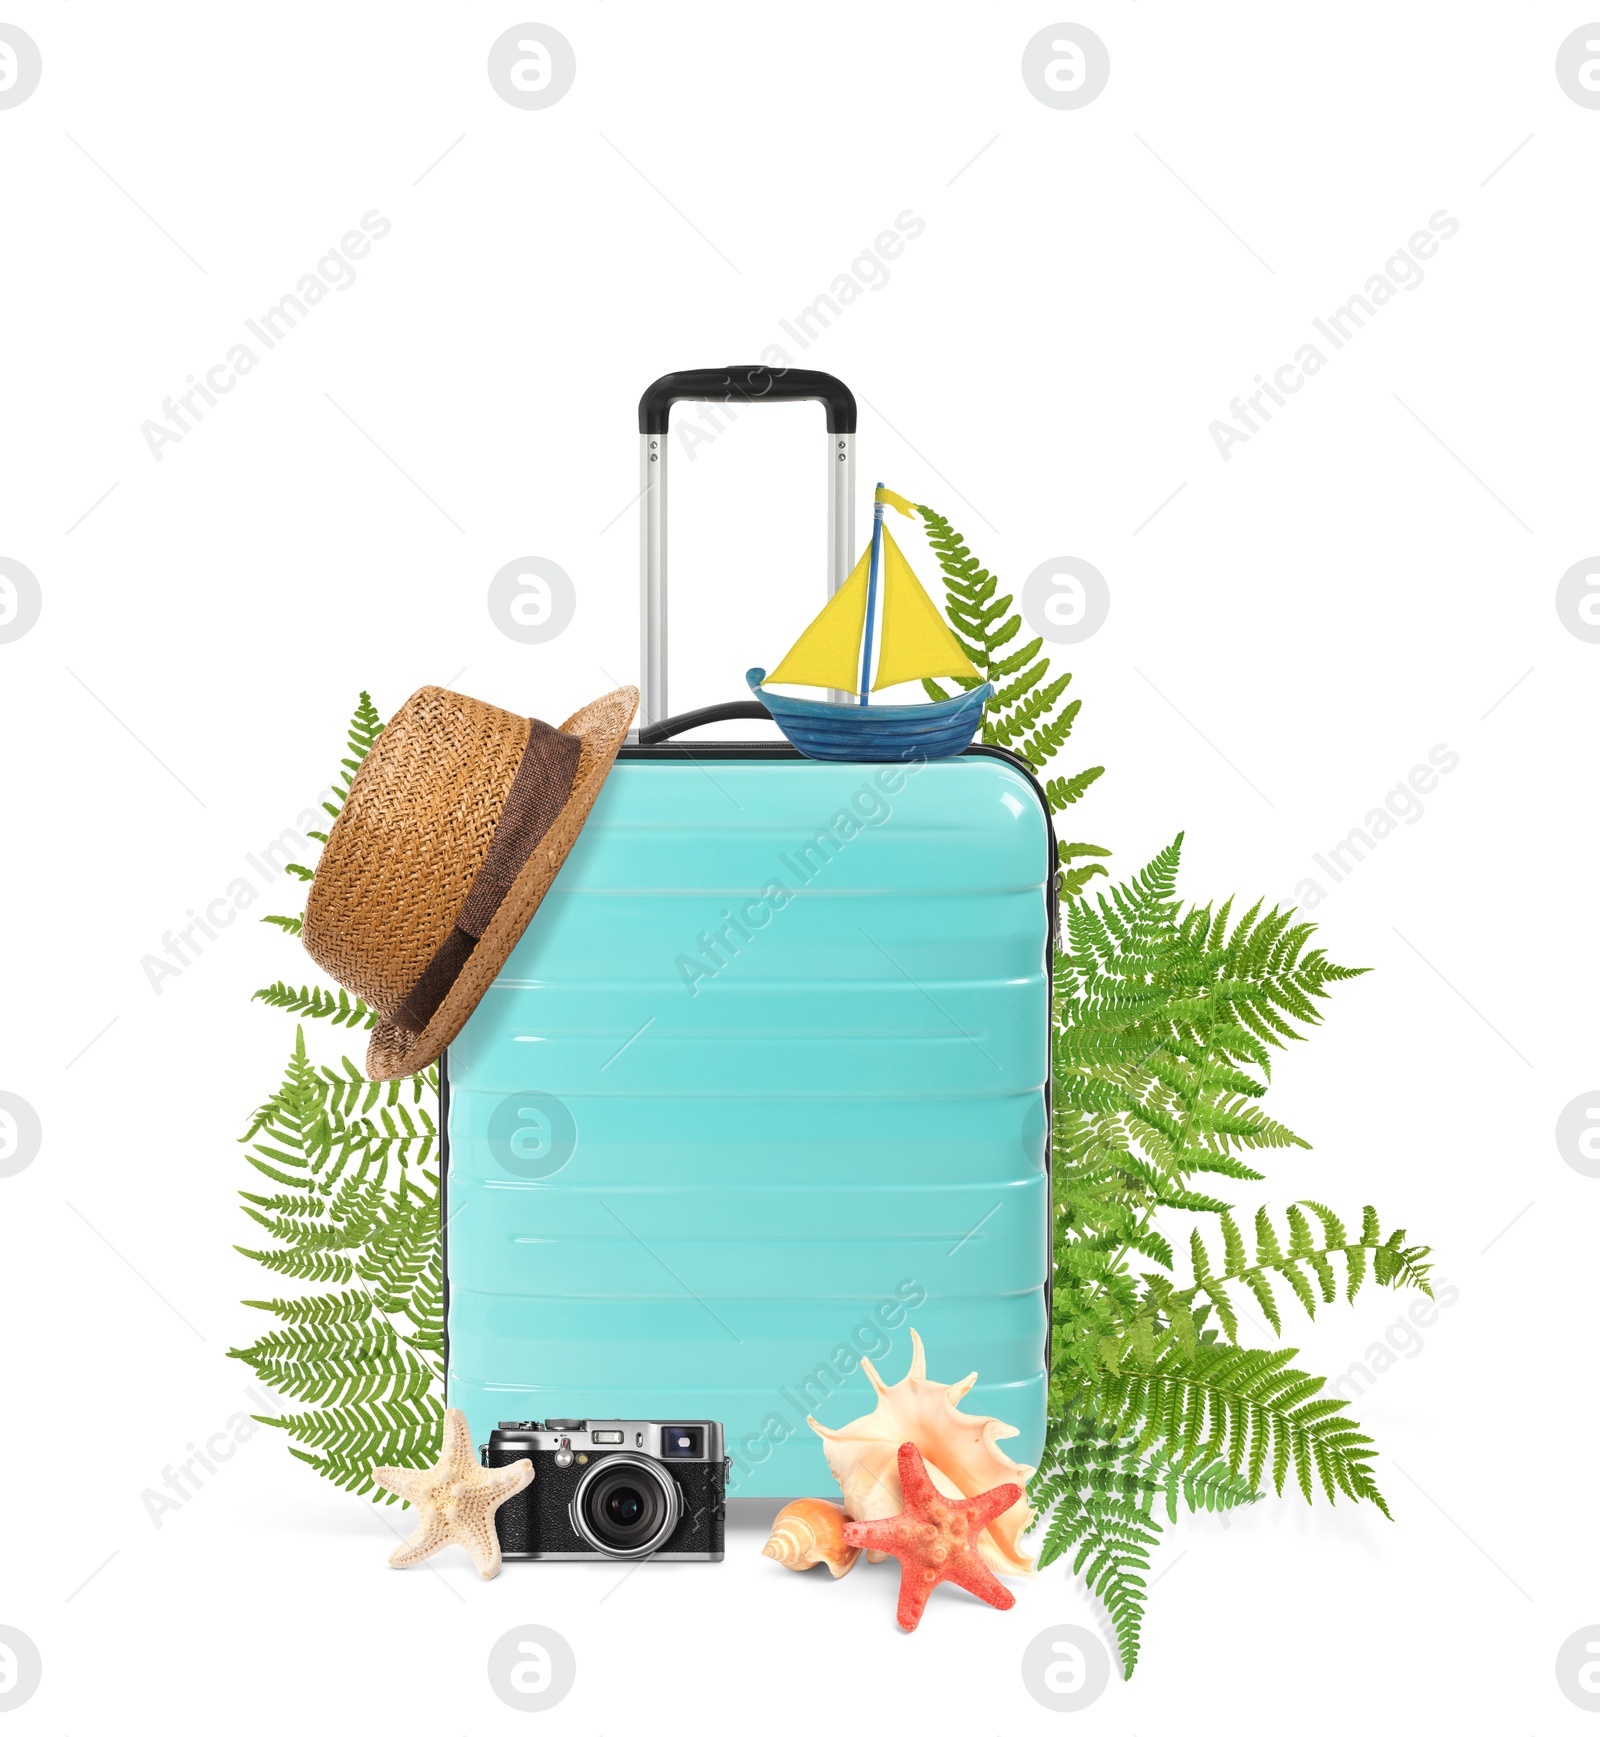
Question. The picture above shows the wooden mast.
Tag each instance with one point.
(872, 592)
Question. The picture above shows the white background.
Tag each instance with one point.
(1289, 634)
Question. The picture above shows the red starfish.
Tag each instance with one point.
(936, 1538)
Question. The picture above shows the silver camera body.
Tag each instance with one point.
(621, 1489)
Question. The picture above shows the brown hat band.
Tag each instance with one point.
(539, 790)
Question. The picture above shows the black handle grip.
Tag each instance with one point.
(747, 386)
(675, 726)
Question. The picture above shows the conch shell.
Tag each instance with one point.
(810, 1531)
(959, 1449)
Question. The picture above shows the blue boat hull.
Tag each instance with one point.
(826, 730)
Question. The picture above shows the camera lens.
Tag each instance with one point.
(625, 1505)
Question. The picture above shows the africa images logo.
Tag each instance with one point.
(20, 66)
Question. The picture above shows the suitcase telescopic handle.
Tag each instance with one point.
(754, 385)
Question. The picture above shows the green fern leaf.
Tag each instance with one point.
(320, 1310)
(316, 1003)
(1100, 1491)
(365, 728)
(1257, 1403)
(356, 1213)
(351, 1439)
(1305, 1260)
(1024, 712)
(294, 1263)
(1166, 1020)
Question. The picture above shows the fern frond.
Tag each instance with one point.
(1211, 1489)
(341, 1307)
(294, 1263)
(1252, 1409)
(1073, 881)
(317, 1003)
(1100, 1491)
(1166, 1021)
(398, 1256)
(1307, 1265)
(1159, 1052)
(351, 1469)
(424, 1307)
(381, 1370)
(1063, 792)
(353, 1342)
(351, 1439)
(319, 1129)
(1024, 712)
(365, 728)
(356, 1209)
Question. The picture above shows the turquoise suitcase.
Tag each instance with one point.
(766, 1083)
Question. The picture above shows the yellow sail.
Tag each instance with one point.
(916, 641)
(828, 653)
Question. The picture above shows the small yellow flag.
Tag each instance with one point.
(891, 499)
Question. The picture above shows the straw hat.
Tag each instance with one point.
(456, 824)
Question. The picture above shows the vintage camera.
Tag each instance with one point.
(616, 1489)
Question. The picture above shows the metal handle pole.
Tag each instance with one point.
(727, 384)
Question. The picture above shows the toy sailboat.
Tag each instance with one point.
(835, 651)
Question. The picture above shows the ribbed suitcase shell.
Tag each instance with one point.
(840, 1132)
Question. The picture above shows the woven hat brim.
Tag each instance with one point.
(601, 728)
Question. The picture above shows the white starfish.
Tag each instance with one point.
(455, 1500)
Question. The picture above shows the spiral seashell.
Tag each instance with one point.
(960, 1448)
(810, 1531)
